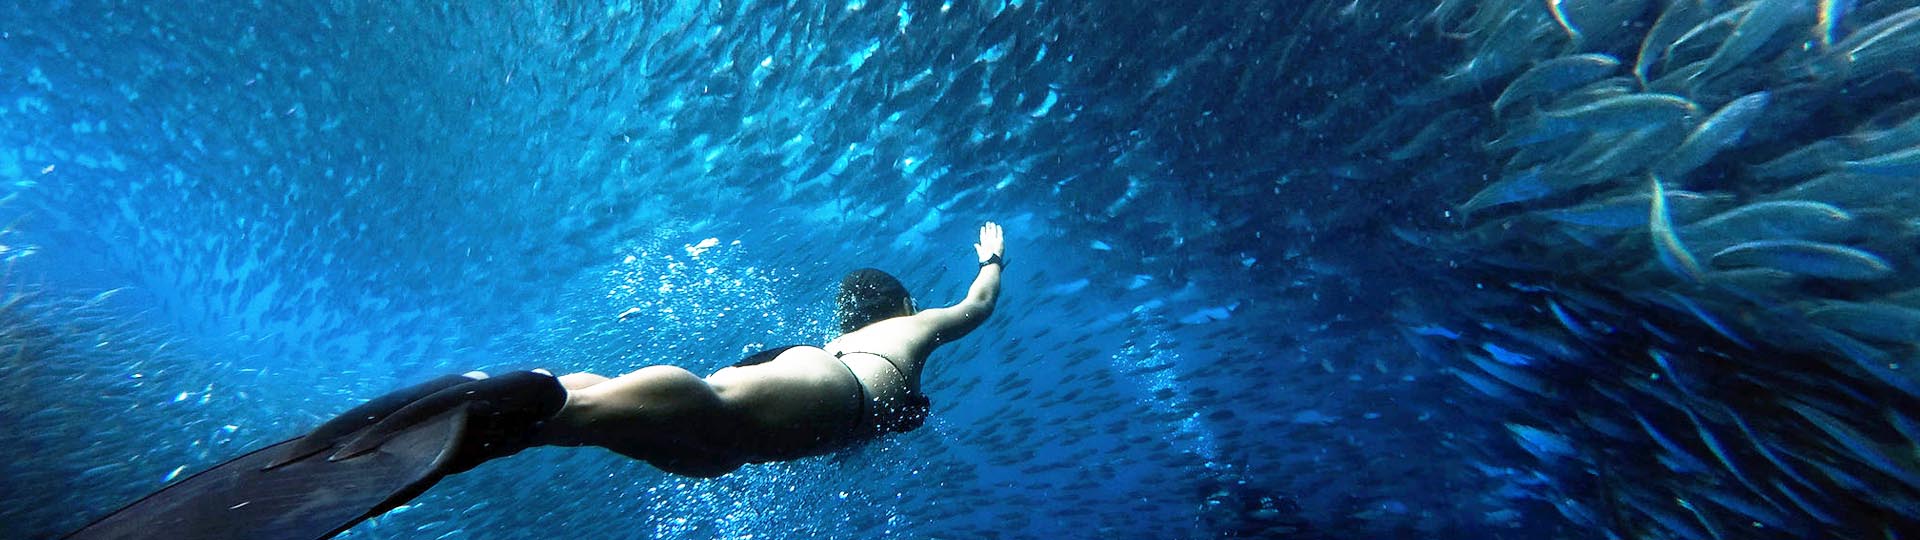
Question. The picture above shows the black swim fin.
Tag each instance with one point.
(367, 414)
(311, 488)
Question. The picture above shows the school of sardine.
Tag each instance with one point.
(1709, 208)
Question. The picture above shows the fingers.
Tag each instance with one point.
(991, 241)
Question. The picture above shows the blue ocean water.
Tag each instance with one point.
(1250, 292)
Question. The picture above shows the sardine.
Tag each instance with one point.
(1806, 258)
(1771, 220)
(1556, 75)
(1904, 163)
(1514, 376)
(1680, 17)
(1874, 48)
(1765, 19)
(1697, 44)
(1721, 131)
(1859, 445)
(1679, 459)
(1875, 321)
(1805, 161)
(1546, 445)
(1624, 113)
(1521, 186)
(1630, 112)
(1666, 244)
(1852, 190)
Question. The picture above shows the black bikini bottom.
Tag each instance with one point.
(898, 416)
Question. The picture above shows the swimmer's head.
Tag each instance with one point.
(867, 296)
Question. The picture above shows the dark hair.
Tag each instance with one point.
(867, 296)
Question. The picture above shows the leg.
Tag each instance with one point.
(664, 415)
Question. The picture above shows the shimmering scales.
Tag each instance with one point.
(1805, 258)
(1554, 76)
(1751, 187)
(1771, 220)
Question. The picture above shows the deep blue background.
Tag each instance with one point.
(309, 205)
(231, 220)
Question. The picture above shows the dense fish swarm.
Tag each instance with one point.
(1711, 209)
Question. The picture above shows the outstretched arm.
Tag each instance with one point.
(953, 322)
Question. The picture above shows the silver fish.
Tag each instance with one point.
(1443, 12)
(1771, 220)
(1599, 21)
(1505, 49)
(1677, 457)
(1804, 161)
(1859, 445)
(1512, 375)
(1706, 436)
(1679, 17)
(1806, 258)
(1803, 504)
(1721, 131)
(1606, 157)
(1630, 112)
(1546, 445)
(1905, 163)
(1765, 19)
(1484, 385)
(1666, 244)
(1884, 322)
(1887, 43)
(1852, 190)
(1697, 44)
(1556, 75)
(1607, 88)
(1520, 186)
(1705, 316)
(1753, 280)
(1677, 80)
(1622, 113)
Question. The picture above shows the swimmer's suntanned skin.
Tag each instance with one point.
(794, 406)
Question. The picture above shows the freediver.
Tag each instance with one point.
(788, 402)
(780, 404)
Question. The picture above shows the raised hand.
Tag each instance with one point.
(992, 242)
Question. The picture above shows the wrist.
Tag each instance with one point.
(994, 259)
